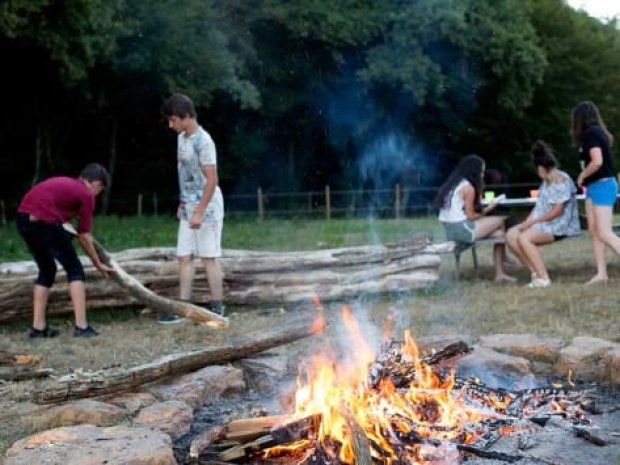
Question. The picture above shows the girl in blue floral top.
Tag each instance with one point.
(554, 216)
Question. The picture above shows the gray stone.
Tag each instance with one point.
(133, 401)
(83, 411)
(264, 374)
(535, 348)
(587, 357)
(494, 368)
(173, 418)
(92, 445)
(204, 385)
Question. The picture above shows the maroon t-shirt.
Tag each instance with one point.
(57, 200)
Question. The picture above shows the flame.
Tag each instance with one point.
(397, 422)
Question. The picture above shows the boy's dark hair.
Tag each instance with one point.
(542, 155)
(96, 172)
(179, 105)
(470, 168)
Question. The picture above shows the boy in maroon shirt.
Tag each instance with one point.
(40, 218)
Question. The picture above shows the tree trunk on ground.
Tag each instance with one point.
(78, 386)
(251, 277)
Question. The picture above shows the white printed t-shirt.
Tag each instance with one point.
(193, 152)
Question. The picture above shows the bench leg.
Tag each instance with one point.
(457, 264)
(474, 257)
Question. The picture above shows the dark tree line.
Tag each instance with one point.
(297, 95)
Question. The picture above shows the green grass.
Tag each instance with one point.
(120, 233)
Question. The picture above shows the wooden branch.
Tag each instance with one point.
(77, 386)
(19, 373)
(7, 358)
(156, 302)
(359, 440)
(205, 439)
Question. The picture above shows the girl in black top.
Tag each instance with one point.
(593, 141)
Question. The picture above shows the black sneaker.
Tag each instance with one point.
(38, 333)
(169, 319)
(217, 307)
(89, 331)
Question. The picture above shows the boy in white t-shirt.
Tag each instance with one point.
(201, 206)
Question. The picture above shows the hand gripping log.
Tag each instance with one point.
(152, 300)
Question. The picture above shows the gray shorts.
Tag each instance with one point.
(463, 231)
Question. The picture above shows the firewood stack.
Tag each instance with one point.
(397, 438)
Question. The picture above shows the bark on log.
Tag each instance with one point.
(8, 358)
(82, 385)
(359, 440)
(19, 373)
(250, 277)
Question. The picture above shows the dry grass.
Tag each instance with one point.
(472, 306)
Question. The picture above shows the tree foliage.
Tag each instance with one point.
(296, 93)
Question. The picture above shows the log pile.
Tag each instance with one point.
(251, 277)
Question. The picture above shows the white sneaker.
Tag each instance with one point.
(539, 282)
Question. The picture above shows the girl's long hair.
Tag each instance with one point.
(584, 116)
(469, 168)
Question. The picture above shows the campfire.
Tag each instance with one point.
(397, 406)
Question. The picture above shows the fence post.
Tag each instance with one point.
(155, 204)
(3, 212)
(261, 207)
(140, 204)
(328, 203)
(397, 201)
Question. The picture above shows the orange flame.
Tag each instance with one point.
(386, 414)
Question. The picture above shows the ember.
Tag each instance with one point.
(400, 407)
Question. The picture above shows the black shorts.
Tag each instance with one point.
(47, 242)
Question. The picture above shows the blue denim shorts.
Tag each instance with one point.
(603, 192)
(462, 231)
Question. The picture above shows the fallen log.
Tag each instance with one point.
(8, 358)
(149, 298)
(250, 277)
(20, 373)
(114, 381)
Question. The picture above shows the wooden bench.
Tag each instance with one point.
(460, 247)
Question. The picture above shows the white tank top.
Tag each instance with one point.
(455, 213)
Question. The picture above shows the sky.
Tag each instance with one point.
(598, 8)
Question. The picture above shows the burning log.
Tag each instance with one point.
(78, 386)
(359, 443)
(392, 364)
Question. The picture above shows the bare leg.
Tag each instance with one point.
(604, 229)
(215, 277)
(493, 226)
(529, 240)
(77, 291)
(598, 246)
(40, 296)
(512, 239)
(487, 225)
(186, 277)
